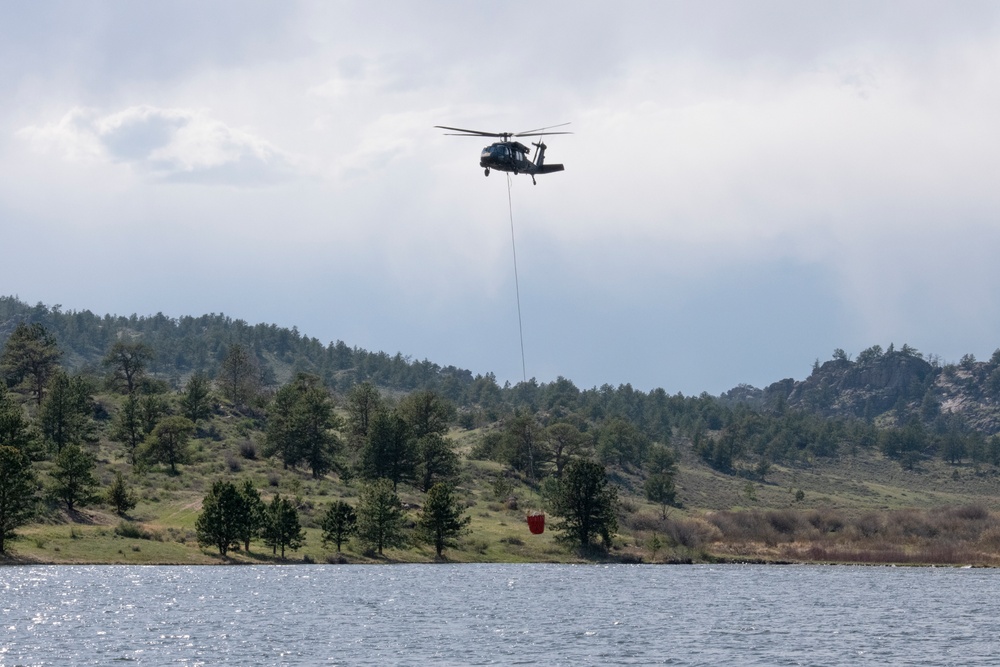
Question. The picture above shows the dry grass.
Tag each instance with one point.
(967, 534)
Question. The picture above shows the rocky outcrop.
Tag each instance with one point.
(892, 386)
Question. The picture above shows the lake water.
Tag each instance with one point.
(499, 615)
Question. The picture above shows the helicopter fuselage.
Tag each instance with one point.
(512, 156)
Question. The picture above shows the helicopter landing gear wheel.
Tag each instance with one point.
(487, 171)
(533, 181)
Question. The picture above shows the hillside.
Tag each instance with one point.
(889, 457)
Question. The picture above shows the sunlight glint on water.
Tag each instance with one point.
(498, 614)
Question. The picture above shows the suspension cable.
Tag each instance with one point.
(517, 288)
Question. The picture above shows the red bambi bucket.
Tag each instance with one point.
(536, 523)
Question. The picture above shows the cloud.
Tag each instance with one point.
(177, 145)
(755, 180)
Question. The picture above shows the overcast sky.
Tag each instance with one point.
(749, 185)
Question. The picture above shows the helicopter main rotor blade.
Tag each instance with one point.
(531, 133)
(537, 134)
(471, 133)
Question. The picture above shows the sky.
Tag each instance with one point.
(748, 185)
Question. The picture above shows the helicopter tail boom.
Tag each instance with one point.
(549, 168)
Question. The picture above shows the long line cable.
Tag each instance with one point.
(520, 327)
(517, 287)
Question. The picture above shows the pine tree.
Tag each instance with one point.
(441, 520)
(339, 523)
(196, 402)
(299, 425)
(127, 361)
(30, 357)
(64, 414)
(120, 496)
(17, 492)
(390, 451)
(15, 429)
(586, 503)
(128, 427)
(73, 477)
(437, 460)
(659, 485)
(363, 403)
(168, 441)
(239, 376)
(380, 516)
(223, 514)
(252, 519)
(281, 526)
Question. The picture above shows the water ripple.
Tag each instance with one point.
(497, 614)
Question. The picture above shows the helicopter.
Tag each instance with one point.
(511, 156)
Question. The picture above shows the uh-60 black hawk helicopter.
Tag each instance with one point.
(511, 156)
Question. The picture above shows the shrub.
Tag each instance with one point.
(233, 463)
(913, 523)
(745, 526)
(970, 512)
(691, 533)
(132, 530)
(786, 522)
(248, 450)
(826, 521)
(643, 522)
(869, 525)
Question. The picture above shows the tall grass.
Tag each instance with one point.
(954, 535)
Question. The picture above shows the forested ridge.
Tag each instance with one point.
(844, 401)
(149, 401)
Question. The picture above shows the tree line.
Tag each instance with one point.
(384, 444)
(534, 429)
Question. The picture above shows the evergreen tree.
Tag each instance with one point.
(17, 492)
(64, 414)
(427, 416)
(73, 477)
(281, 526)
(127, 361)
(299, 425)
(339, 523)
(152, 408)
(390, 451)
(565, 442)
(363, 403)
(223, 515)
(659, 488)
(15, 429)
(437, 460)
(441, 520)
(168, 442)
(620, 442)
(380, 516)
(253, 515)
(426, 413)
(659, 485)
(120, 496)
(586, 504)
(128, 426)
(196, 402)
(523, 445)
(239, 376)
(30, 357)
